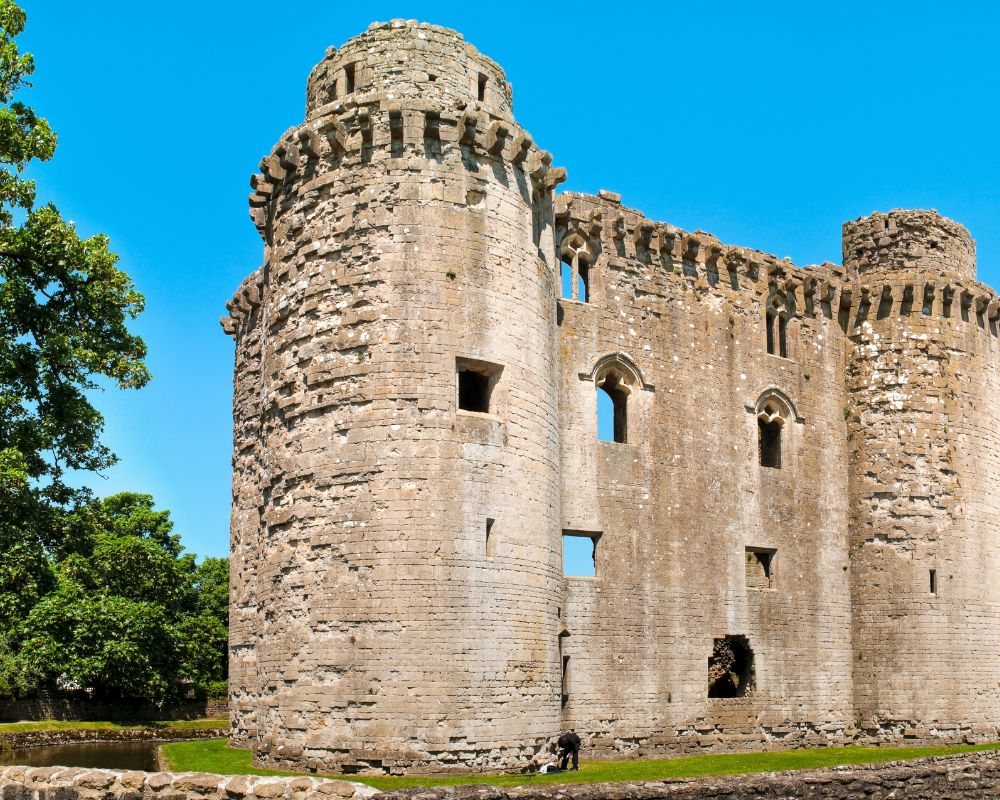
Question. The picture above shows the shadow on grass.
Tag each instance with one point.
(214, 756)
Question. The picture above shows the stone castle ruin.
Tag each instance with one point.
(795, 531)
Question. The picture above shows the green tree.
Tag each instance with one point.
(134, 616)
(64, 306)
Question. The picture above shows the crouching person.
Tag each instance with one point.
(569, 745)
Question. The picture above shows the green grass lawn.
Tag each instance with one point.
(213, 756)
(71, 725)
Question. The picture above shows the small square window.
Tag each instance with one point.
(580, 554)
(476, 380)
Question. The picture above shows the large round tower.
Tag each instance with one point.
(396, 549)
(923, 474)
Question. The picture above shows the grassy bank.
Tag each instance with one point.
(71, 725)
(213, 756)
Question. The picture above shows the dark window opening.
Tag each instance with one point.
(730, 668)
(769, 443)
(482, 87)
(432, 78)
(886, 223)
(473, 391)
(491, 539)
(349, 78)
(770, 332)
(783, 335)
(613, 387)
(580, 554)
(583, 282)
(933, 581)
(758, 568)
(564, 690)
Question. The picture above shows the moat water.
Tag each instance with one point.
(93, 755)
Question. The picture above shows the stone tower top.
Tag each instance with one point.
(404, 60)
(906, 240)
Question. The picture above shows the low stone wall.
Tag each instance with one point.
(15, 741)
(40, 783)
(517, 760)
(958, 777)
(71, 706)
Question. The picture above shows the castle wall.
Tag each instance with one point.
(678, 505)
(415, 429)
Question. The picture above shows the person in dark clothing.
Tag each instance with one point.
(569, 744)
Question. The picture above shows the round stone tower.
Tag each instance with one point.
(396, 546)
(923, 468)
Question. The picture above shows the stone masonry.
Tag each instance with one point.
(795, 532)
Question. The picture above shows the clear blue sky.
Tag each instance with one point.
(766, 124)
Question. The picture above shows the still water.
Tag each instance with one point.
(95, 755)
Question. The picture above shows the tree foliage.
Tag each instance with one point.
(97, 593)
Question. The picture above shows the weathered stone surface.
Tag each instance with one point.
(14, 741)
(415, 430)
(79, 784)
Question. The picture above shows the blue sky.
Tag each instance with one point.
(766, 124)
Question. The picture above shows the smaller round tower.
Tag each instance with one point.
(926, 606)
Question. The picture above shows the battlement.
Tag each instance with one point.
(404, 60)
(909, 240)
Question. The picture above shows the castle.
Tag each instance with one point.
(795, 531)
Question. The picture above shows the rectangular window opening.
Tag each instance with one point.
(759, 568)
(770, 332)
(580, 554)
(482, 87)
(476, 381)
(934, 581)
(783, 335)
(349, 78)
(491, 539)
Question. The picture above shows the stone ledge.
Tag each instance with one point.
(15, 741)
(36, 783)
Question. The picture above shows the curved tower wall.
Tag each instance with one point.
(374, 629)
(923, 436)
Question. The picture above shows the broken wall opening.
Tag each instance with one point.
(580, 554)
(730, 668)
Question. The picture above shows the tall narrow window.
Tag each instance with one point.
(349, 78)
(933, 581)
(491, 539)
(769, 321)
(783, 335)
(482, 87)
(583, 276)
(617, 392)
(565, 680)
(769, 443)
(566, 278)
